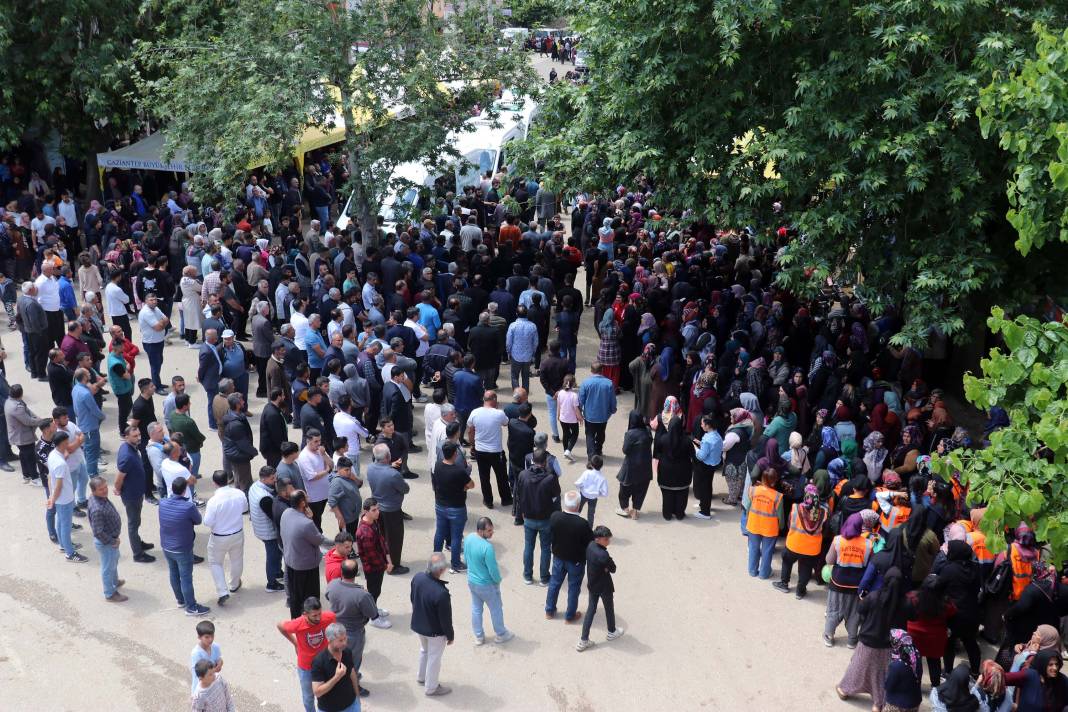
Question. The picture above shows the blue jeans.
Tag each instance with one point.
(574, 571)
(180, 564)
(490, 595)
(554, 427)
(80, 479)
(155, 360)
(569, 352)
(760, 550)
(109, 567)
(450, 523)
(306, 694)
(91, 449)
(536, 529)
(194, 459)
(50, 514)
(64, 518)
(274, 561)
(322, 214)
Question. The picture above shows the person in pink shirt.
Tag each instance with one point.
(567, 410)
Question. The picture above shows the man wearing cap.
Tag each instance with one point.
(233, 363)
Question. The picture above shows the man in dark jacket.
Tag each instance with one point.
(571, 534)
(274, 430)
(237, 442)
(551, 374)
(432, 621)
(210, 370)
(599, 570)
(486, 344)
(537, 494)
(397, 403)
(520, 444)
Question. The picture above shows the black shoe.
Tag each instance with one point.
(78, 513)
(556, 438)
(275, 587)
(364, 692)
(506, 502)
(399, 571)
(800, 593)
(144, 558)
(223, 599)
(405, 516)
(780, 586)
(151, 499)
(518, 521)
(147, 545)
(53, 539)
(76, 527)
(409, 475)
(414, 448)
(198, 559)
(489, 505)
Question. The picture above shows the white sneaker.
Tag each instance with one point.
(480, 640)
(622, 512)
(584, 645)
(383, 612)
(501, 639)
(381, 623)
(568, 455)
(699, 515)
(618, 632)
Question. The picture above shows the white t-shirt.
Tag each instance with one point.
(171, 470)
(300, 329)
(420, 332)
(487, 423)
(38, 225)
(59, 472)
(77, 458)
(115, 300)
(311, 464)
(146, 320)
(47, 293)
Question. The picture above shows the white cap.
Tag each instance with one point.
(228, 334)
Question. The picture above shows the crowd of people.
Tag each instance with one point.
(822, 431)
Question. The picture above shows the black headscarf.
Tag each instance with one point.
(915, 527)
(1054, 691)
(636, 420)
(955, 693)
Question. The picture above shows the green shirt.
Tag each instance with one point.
(481, 561)
(119, 386)
(182, 423)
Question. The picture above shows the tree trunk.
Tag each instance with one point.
(366, 217)
(92, 177)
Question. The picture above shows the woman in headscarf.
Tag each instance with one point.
(829, 448)
(871, 659)
(190, 288)
(798, 391)
(903, 458)
(785, 420)
(763, 522)
(736, 445)
(893, 402)
(798, 463)
(608, 354)
(920, 543)
(928, 612)
(672, 450)
(903, 675)
(874, 455)
(629, 343)
(636, 472)
(751, 403)
(1042, 687)
(848, 556)
(647, 331)
(843, 423)
(641, 372)
(1038, 604)
(959, 575)
(958, 693)
(804, 541)
(665, 373)
(991, 683)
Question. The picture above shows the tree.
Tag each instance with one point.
(399, 78)
(1028, 110)
(1021, 474)
(866, 110)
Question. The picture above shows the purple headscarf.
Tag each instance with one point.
(852, 526)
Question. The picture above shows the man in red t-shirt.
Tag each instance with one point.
(307, 634)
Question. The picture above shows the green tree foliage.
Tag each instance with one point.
(535, 13)
(866, 110)
(398, 77)
(1028, 110)
(1021, 473)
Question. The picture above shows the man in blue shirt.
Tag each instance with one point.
(177, 517)
(597, 401)
(468, 388)
(88, 416)
(707, 457)
(521, 343)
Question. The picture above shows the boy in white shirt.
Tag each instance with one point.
(592, 485)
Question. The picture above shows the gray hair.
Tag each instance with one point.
(380, 452)
(264, 307)
(436, 564)
(334, 631)
(234, 399)
(27, 286)
(153, 427)
(226, 385)
(447, 409)
(571, 501)
(449, 328)
(287, 329)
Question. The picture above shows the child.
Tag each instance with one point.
(567, 408)
(207, 650)
(592, 486)
(599, 570)
(211, 693)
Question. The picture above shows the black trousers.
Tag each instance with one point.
(317, 509)
(38, 347)
(393, 528)
(633, 495)
(125, 402)
(273, 458)
(28, 461)
(300, 584)
(123, 321)
(591, 610)
(56, 328)
(594, 438)
(702, 485)
(489, 376)
(133, 524)
(571, 433)
(967, 632)
(374, 583)
(675, 502)
(805, 566)
(261, 370)
(496, 462)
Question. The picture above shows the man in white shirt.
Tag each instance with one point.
(171, 469)
(79, 476)
(437, 434)
(299, 322)
(68, 210)
(153, 325)
(37, 225)
(315, 467)
(346, 426)
(484, 432)
(48, 298)
(224, 515)
(62, 495)
(115, 301)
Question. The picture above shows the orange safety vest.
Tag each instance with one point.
(763, 516)
(897, 516)
(1021, 573)
(853, 555)
(982, 554)
(798, 540)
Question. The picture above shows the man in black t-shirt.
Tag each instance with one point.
(334, 680)
(142, 413)
(450, 481)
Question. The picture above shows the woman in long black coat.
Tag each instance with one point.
(674, 452)
(636, 472)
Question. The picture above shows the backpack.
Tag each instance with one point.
(1000, 580)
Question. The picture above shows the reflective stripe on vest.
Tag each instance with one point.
(762, 518)
(1021, 573)
(982, 553)
(853, 553)
(798, 540)
(894, 518)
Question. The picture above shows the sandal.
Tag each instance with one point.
(841, 695)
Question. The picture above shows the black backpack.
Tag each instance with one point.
(999, 582)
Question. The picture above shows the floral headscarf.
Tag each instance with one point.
(671, 409)
(992, 679)
(648, 322)
(812, 515)
(830, 439)
(903, 649)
